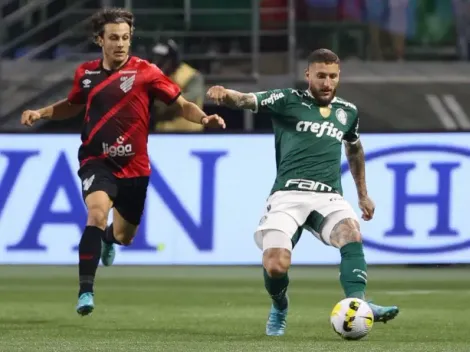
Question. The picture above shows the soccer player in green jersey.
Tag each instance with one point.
(310, 127)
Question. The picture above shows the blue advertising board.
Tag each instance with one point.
(207, 194)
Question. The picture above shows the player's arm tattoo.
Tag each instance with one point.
(357, 165)
(238, 100)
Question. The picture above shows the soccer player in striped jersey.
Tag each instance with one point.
(116, 92)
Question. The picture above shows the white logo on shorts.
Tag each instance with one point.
(88, 182)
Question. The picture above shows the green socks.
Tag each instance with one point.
(353, 270)
(277, 288)
(353, 276)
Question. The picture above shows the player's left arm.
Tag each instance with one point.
(170, 93)
(357, 165)
(193, 113)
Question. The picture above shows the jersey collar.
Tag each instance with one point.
(112, 71)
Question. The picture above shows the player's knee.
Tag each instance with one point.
(277, 248)
(126, 241)
(123, 239)
(277, 267)
(353, 236)
(97, 216)
(345, 231)
(276, 261)
(125, 235)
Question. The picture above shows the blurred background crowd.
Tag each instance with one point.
(252, 44)
(428, 28)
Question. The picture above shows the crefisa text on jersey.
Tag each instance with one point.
(320, 129)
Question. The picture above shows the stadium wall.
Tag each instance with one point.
(208, 193)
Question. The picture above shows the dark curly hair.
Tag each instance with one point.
(110, 15)
(324, 56)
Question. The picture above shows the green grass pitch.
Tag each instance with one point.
(224, 309)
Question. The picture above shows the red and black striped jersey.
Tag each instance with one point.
(117, 118)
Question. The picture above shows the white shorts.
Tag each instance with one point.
(292, 211)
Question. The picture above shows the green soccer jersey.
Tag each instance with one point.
(308, 138)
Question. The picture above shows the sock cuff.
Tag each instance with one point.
(110, 230)
(109, 235)
(94, 230)
(352, 249)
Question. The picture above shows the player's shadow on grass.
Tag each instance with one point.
(168, 331)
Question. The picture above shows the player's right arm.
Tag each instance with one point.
(60, 110)
(63, 109)
(271, 101)
(232, 98)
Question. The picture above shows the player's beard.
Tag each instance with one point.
(323, 101)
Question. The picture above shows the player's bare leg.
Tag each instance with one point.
(120, 232)
(98, 205)
(124, 231)
(353, 268)
(276, 263)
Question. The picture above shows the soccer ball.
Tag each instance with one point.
(352, 318)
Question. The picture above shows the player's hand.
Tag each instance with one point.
(29, 117)
(213, 121)
(217, 94)
(368, 208)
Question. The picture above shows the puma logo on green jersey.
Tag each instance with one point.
(325, 128)
(272, 98)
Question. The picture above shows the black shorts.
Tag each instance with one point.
(128, 194)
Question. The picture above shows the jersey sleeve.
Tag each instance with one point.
(272, 101)
(76, 94)
(352, 136)
(162, 87)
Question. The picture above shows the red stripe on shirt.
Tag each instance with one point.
(100, 87)
(107, 116)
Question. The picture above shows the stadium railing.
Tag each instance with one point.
(268, 31)
(187, 21)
